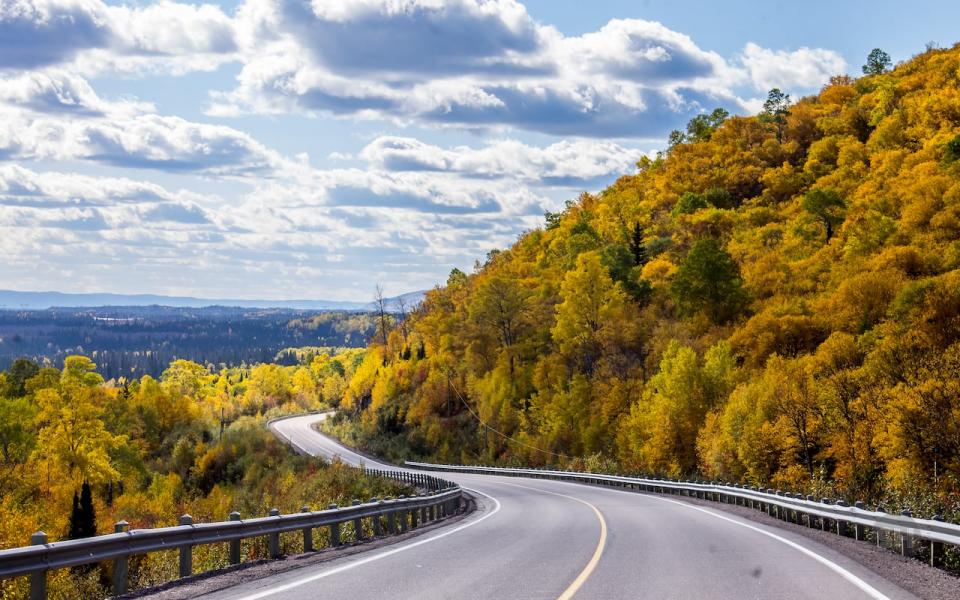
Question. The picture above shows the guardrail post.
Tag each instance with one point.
(307, 533)
(120, 564)
(842, 525)
(273, 539)
(357, 525)
(234, 544)
(391, 519)
(936, 548)
(401, 516)
(377, 529)
(906, 540)
(186, 551)
(824, 521)
(38, 579)
(859, 531)
(879, 532)
(334, 530)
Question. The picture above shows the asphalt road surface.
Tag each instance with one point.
(536, 539)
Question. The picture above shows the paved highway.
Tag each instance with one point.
(536, 539)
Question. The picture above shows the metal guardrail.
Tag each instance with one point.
(855, 521)
(384, 516)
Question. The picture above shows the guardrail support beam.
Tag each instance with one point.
(906, 540)
(375, 520)
(120, 564)
(334, 530)
(186, 551)
(273, 539)
(234, 544)
(936, 548)
(307, 533)
(357, 525)
(38, 579)
(391, 522)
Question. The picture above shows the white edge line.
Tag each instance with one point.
(368, 559)
(860, 583)
(856, 581)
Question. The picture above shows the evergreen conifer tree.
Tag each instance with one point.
(83, 518)
(637, 247)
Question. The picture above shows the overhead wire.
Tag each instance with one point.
(494, 429)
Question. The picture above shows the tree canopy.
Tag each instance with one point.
(798, 327)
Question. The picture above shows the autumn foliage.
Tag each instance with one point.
(774, 300)
(78, 454)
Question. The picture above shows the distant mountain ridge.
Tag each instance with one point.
(14, 300)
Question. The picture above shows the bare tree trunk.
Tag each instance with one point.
(402, 317)
(381, 306)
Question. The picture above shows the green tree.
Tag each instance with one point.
(456, 278)
(720, 198)
(676, 137)
(776, 109)
(688, 204)
(701, 127)
(951, 152)
(638, 247)
(619, 261)
(16, 429)
(708, 280)
(83, 517)
(878, 62)
(826, 205)
(20, 371)
(552, 219)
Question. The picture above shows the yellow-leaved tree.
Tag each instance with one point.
(73, 441)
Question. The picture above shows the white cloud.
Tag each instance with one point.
(565, 163)
(54, 115)
(59, 91)
(464, 63)
(469, 64)
(20, 186)
(94, 37)
(485, 65)
(282, 233)
(804, 68)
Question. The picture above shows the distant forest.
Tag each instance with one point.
(132, 341)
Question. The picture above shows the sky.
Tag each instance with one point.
(307, 149)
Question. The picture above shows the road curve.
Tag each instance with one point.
(537, 539)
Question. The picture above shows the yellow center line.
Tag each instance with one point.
(587, 570)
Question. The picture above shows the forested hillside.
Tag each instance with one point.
(775, 299)
(132, 341)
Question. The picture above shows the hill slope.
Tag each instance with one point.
(775, 299)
